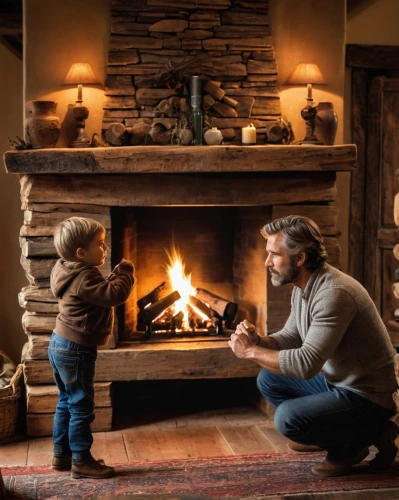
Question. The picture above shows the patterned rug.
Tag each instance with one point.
(224, 477)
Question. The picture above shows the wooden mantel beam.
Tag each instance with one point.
(179, 159)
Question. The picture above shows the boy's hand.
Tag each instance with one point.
(249, 330)
(124, 265)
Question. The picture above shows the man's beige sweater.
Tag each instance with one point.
(334, 327)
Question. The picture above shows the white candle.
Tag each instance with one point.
(248, 135)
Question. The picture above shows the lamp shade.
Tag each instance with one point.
(80, 73)
(306, 73)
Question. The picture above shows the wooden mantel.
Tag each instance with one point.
(180, 159)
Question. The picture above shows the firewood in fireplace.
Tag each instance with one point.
(147, 315)
(177, 321)
(198, 304)
(224, 308)
(151, 297)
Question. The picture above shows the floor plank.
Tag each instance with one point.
(110, 447)
(246, 439)
(14, 454)
(141, 445)
(203, 442)
(40, 451)
(279, 442)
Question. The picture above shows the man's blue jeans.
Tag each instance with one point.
(314, 412)
(73, 366)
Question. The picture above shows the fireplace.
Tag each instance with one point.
(220, 248)
(210, 202)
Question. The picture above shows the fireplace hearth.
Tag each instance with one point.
(210, 202)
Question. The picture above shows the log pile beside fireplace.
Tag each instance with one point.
(261, 191)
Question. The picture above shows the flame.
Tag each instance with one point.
(181, 282)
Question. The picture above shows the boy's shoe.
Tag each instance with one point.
(65, 462)
(329, 468)
(387, 449)
(91, 469)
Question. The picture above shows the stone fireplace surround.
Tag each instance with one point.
(258, 183)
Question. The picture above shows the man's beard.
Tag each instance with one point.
(286, 276)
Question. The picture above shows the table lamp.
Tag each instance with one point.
(308, 74)
(79, 74)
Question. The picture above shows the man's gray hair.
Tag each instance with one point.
(301, 234)
(74, 233)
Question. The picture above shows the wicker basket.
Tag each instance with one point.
(9, 405)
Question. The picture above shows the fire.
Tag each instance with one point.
(181, 282)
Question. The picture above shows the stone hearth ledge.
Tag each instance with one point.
(181, 159)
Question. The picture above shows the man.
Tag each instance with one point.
(330, 371)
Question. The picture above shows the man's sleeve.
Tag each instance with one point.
(289, 337)
(332, 312)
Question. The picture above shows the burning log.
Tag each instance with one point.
(177, 320)
(147, 315)
(225, 310)
(203, 308)
(151, 297)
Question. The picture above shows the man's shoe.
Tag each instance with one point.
(65, 462)
(330, 468)
(386, 447)
(303, 448)
(91, 469)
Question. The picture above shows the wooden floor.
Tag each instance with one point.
(234, 431)
(224, 432)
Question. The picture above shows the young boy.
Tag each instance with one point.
(84, 322)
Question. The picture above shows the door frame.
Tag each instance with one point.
(365, 62)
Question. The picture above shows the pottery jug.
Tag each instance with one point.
(43, 127)
(213, 136)
(326, 123)
(186, 136)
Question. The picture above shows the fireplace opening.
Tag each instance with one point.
(199, 270)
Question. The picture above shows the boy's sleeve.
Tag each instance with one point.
(107, 292)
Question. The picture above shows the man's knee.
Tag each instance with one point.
(290, 422)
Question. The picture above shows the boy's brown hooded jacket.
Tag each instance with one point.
(86, 299)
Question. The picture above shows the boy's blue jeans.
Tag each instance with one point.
(73, 366)
(313, 412)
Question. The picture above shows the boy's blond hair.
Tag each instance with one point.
(74, 233)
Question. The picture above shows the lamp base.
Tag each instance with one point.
(80, 114)
(315, 142)
(309, 114)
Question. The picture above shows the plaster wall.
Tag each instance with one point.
(57, 34)
(12, 278)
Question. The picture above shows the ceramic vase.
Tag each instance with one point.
(43, 127)
(326, 123)
(213, 136)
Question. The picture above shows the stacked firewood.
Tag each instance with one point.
(156, 45)
(41, 307)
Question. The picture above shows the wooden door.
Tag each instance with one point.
(381, 185)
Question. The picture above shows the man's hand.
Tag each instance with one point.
(240, 345)
(248, 329)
